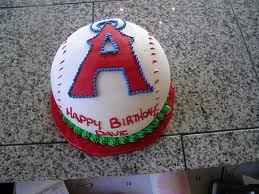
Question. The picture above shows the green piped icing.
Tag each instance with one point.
(115, 141)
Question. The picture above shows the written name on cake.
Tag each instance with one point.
(114, 122)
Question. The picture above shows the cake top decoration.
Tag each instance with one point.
(110, 83)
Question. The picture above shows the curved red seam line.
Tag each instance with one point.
(61, 63)
(155, 71)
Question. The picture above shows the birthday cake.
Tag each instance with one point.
(111, 90)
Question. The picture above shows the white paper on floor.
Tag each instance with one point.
(173, 183)
(40, 187)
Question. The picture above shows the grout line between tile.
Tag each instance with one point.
(247, 49)
(213, 131)
(165, 135)
(169, 135)
(59, 4)
(33, 143)
(93, 12)
(42, 5)
(45, 143)
(183, 151)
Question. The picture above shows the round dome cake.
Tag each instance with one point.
(111, 89)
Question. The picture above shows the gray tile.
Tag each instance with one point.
(29, 39)
(39, 2)
(61, 161)
(216, 86)
(247, 12)
(5, 3)
(165, 156)
(223, 148)
(19, 3)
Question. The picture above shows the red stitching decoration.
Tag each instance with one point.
(61, 63)
(154, 61)
(100, 150)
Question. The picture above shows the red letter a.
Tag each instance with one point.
(123, 59)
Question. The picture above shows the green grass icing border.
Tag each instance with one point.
(115, 141)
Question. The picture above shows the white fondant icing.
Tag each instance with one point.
(112, 99)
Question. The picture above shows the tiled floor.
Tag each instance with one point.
(222, 148)
(61, 161)
(214, 78)
(31, 36)
(247, 13)
(212, 47)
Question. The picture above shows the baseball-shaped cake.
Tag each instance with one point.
(111, 89)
